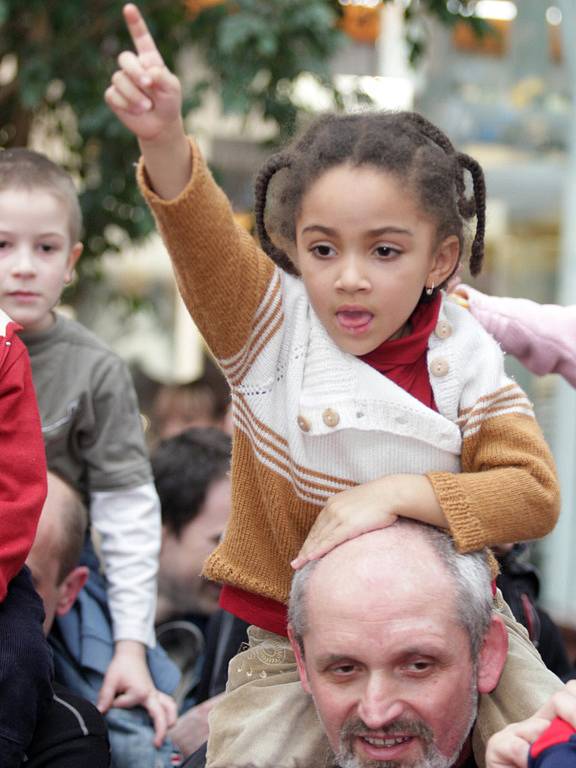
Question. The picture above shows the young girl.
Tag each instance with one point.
(541, 336)
(359, 394)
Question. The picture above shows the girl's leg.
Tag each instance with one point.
(266, 718)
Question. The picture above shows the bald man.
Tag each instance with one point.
(395, 639)
(72, 732)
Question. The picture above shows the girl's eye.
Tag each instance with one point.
(386, 252)
(3, 243)
(322, 251)
(47, 247)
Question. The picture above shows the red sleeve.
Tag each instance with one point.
(22, 458)
(557, 741)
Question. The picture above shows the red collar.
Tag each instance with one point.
(404, 360)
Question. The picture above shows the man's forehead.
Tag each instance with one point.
(393, 587)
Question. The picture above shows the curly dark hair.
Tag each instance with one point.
(404, 144)
(184, 467)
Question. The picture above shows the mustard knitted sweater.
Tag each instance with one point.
(311, 420)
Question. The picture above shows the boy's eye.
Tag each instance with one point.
(323, 251)
(4, 243)
(47, 247)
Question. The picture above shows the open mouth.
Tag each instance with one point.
(390, 747)
(354, 321)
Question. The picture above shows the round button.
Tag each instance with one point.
(439, 367)
(330, 417)
(443, 329)
(303, 423)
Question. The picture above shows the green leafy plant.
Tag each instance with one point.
(57, 56)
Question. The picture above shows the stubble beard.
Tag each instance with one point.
(432, 757)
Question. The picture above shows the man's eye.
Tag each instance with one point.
(419, 666)
(343, 670)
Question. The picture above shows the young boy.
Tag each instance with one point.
(25, 665)
(89, 414)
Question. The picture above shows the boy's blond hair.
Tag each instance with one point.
(25, 169)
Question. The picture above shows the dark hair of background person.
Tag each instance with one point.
(184, 467)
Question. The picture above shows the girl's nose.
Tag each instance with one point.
(352, 276)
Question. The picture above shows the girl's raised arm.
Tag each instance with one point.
(147, 99)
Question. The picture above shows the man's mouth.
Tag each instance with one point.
(377, 741)
(403, 741)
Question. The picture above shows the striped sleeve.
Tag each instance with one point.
(221, 273)
(507, 490)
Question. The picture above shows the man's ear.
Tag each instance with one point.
(299, 660)
(492, 655)
(445, 261)
(69, 589)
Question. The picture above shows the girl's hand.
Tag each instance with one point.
(128, 684)
(144, 94)
(345, 516)
(368, 507)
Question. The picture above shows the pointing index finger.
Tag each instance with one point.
(141, 37)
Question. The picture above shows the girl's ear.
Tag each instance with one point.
(445, 261)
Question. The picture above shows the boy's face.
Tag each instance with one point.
(37, 256)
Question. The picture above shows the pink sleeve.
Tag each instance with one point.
(22, 459)
(541, 336)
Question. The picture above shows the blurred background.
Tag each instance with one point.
(498, 76)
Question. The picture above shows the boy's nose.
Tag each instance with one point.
(23, 263)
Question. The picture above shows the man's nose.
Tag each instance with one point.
(352, 275)
(380, 703)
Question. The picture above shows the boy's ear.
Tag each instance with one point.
(445, 261)
(73, 257)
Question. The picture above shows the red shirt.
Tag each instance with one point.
(22, 457)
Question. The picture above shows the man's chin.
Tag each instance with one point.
(359, 749)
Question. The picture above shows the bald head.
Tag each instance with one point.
(394, 639)
(57, 547)
(409, 561)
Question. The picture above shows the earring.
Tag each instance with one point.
(430, 289)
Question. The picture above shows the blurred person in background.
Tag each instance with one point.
(191, 474)
(541, 336)
(71, 731)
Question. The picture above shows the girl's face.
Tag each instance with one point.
(366, 251)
